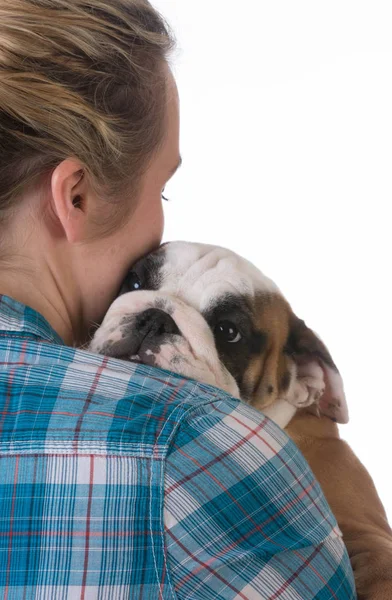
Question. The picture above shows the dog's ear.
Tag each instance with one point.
(316, 376)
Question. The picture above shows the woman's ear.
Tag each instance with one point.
(316, 375)
(69, 197)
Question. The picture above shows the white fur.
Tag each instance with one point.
(281, 411)
(200, 273)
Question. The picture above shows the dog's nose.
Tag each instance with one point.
(154, 322)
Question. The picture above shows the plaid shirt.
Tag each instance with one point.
(120, 481)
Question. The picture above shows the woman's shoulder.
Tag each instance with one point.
(101, 398)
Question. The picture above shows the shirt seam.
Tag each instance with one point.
(184, 417)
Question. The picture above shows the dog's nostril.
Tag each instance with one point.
(156, 322)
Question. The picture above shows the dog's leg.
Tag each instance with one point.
(353, 498)
(280, 411)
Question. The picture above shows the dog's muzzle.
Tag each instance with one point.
(162, 331)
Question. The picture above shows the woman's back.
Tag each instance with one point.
(123, 481)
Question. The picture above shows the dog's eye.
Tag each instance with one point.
(133, 282)
(225, 331)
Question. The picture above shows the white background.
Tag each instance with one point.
(286, 137)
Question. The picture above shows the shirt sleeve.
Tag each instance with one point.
(244, 516)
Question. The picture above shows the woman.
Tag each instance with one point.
(119, 480)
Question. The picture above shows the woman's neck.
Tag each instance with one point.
(38, 289)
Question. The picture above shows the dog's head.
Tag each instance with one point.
(209, 314)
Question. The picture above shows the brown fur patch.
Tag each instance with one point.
(266, 371)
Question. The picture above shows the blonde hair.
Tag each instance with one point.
(82, 79)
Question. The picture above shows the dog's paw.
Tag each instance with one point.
(307, 386)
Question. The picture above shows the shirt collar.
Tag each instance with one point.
(16, 317)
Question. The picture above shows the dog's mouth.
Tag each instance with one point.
(152, 347)
(154, 328)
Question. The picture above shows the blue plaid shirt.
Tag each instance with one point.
(120, 481)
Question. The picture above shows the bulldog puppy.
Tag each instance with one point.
(208, 314)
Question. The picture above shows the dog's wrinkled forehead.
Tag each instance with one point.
(198, 273)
